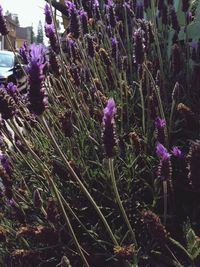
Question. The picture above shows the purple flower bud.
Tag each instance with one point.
(160, 123)
(162, 152)
(164, 14)
(51, 34)
(84, 21)
(174, 21)
(74, 20)
(139, 10)
(37, 96)
(6, 163)
(138, 46)
(54, 64)
(176, 152)
(176, 59)
(11, 89)
(160, 127)
(114, 44)
(48, 16)
(111, 14)
(164, 168)
(3, 27)
(70, 6)
(90, 46)
(185, 5)
(24, 50)
(108, 134)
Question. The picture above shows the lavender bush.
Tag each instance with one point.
(100, 159)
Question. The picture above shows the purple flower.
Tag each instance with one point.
(108, 134)
(70, 6)
(3, 27)
(174, 20)
(11, 88)
(138, 46)
(48, 16)
(51, 34)
(114, 44)
(176, 152)
(84, 21)
(185, 5)
(160, 123)
(95, 3)
(162, 152)
(6, 163)
(37, 62)
(164, 167)
(90, 46)
(160, 130)
(109, 111)
(7, 105)
(24, 50)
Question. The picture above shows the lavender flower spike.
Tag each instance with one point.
(51, 34)
(37, 97)
(109, 111)
(48, 16)
(162, 152)
(108, 134)
(176, 152)
(160, 130)
(3, 27)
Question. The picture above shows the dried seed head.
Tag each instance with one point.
(125, 252)
(65, 262)
(66, 122)
(176, 92)
(104, 57)
(136, 142)
(191, 121)
(52, 211)
(155, 228)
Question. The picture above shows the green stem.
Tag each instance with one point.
(143, 107)
(67, 220)
(165, 200)
(82, 186)
(178, 245)
(119, 202)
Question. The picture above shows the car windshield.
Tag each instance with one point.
(6, 60)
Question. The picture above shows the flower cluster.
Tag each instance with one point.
(37, 97)
(108, 134)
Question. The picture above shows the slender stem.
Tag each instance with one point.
(178, 245)
(119, 202)
(82, 186)
(165, 200)
(143, 107)
(67, 219)
(171, 117)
